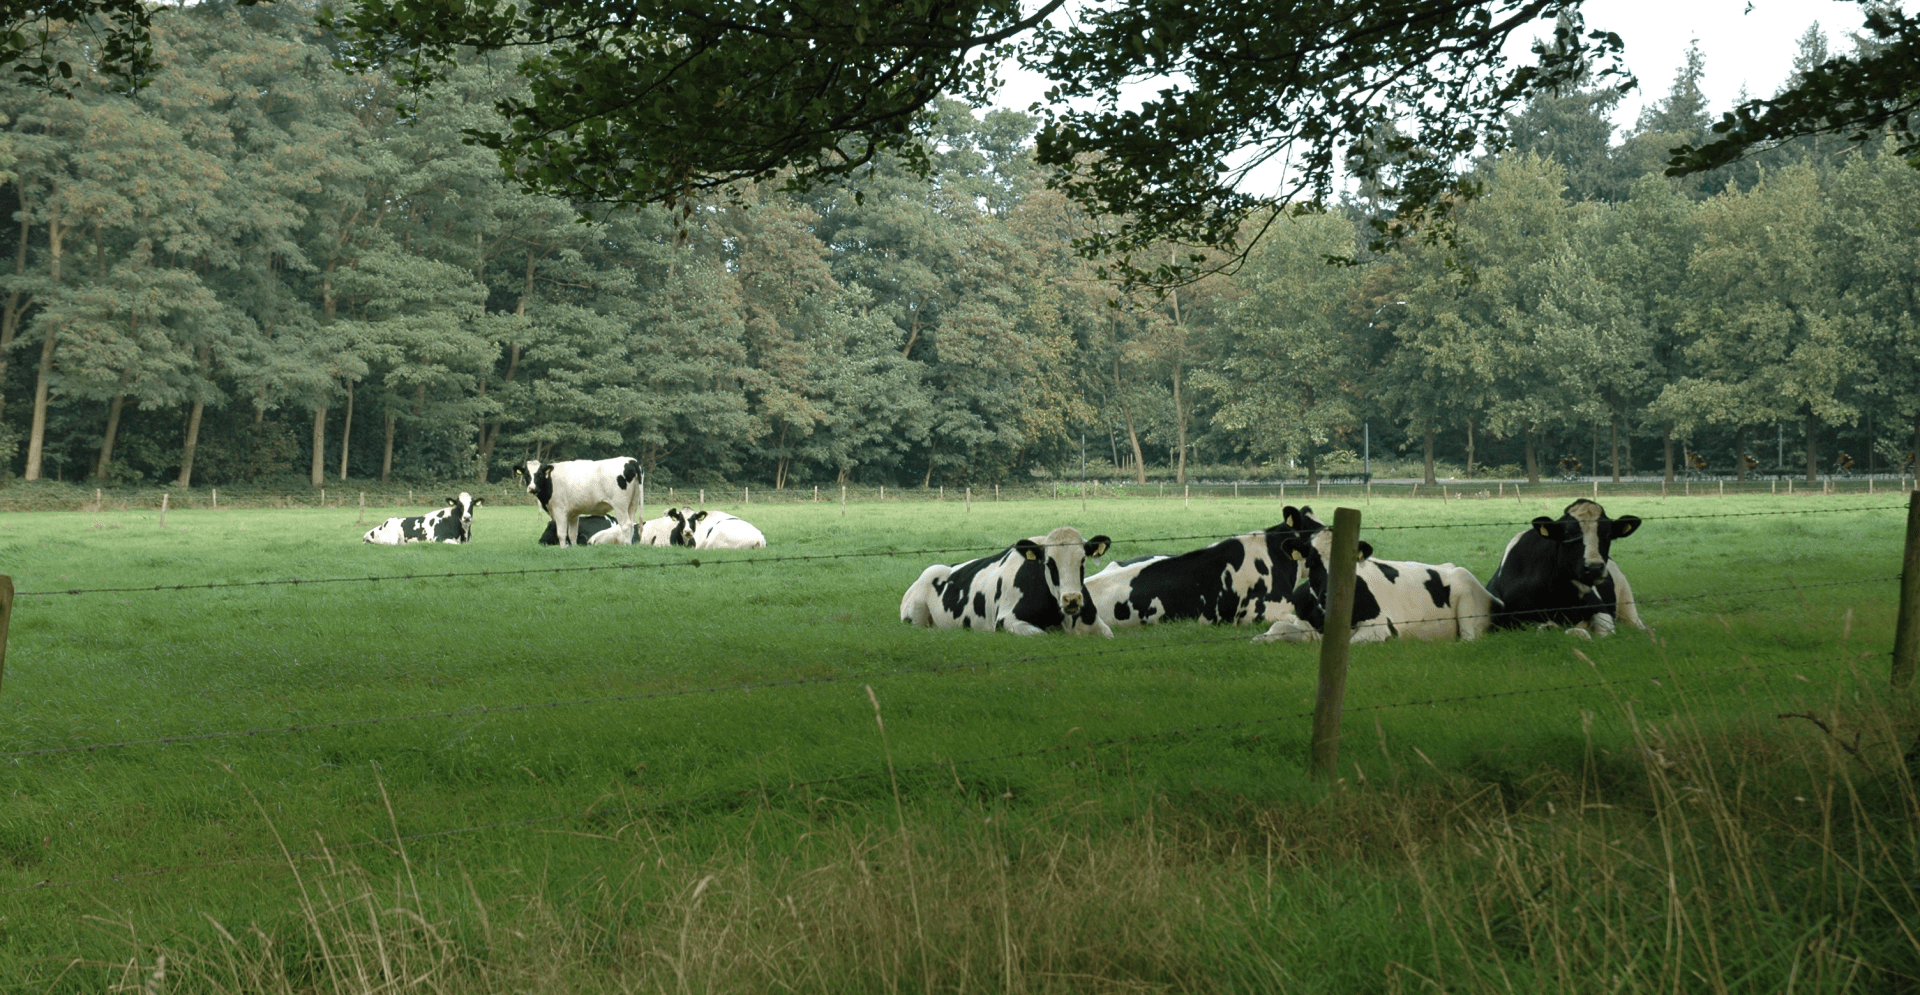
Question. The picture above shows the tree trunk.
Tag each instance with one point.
(18, 301)
(386, 461)
(204, 357)
(1533, 459)
(1469, 449)
(1133, 437)
(37, 435)
(319, 474)
(933, 447)
(346, 432)
(1431, 479)
(1666, 437)
(106, 442)
(1180, 421)
(1613, 447)
(1313, 467)
(192, 443)
(1813, 448)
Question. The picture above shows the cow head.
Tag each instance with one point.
(683, 526)
(463, 507)
(1062, 555)
(1585, 535)
(538, 477)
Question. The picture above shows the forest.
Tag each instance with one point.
(267, 268)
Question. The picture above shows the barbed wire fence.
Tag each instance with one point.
(1906, 578)
(765, 791)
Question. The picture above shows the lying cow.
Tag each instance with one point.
(454, 523)
(566, 491)
(603, 531)
(713, 530)
(1561, 572)
(1032, 586)
(1391, 598)
(1245, 580)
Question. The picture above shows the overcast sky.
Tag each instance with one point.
(1748, 43)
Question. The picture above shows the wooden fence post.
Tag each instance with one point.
(6, 620)
(969, 498)
(1335, 637)
(363, 507)
(1906, 633)
(216, 499)
(163, 511)
(1186, 496)
(843, 500)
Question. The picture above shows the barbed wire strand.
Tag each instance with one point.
(696, 562)
(1238, 638)
(933, 765)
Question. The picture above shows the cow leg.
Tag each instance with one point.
(1288, 630)
(916, 607)
(1020, 628)
(1623, 598)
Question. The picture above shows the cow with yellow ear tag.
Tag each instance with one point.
(1029, 587)
(1561, 572)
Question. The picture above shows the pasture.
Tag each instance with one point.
(711, 805)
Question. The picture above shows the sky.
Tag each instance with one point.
(1748, 43)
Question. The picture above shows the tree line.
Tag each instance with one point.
(266, 264)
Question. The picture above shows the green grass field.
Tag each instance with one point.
(732, 825)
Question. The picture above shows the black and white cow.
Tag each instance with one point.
(1391, 598)
(1032, 586)
(454, 524)
(579, 487)
(713, 530)
(599, 530)
(1560, 571)
(1245, 580)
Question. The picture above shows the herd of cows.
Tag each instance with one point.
(1557, 572)
(592, 501)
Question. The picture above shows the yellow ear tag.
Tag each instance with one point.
(1031, 555)
(1544, 532)
(1297, 556)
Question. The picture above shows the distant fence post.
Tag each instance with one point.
(1336, 636)
(363, 507)
(6, 620)
(843, 500)
(163, 511)
(816, 494)
(1186, 496)
(969, 498)
(1906, 633)
(216, 499)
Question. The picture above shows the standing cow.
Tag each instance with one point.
(453, 524)
(566, 491)
(1029, 587)
(1392, 599)
(1245, 580)
(1561, 572)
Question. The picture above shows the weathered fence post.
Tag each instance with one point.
(323, 497)
(1186, 496)
(1083, 495)
(1236, 490)
(163, 511)
(363, 507)
(969, 498)
(1906, 633)
(216, 499)
(1335, 637)
(816, 494)
(843, 500)
(96, 499)
(996, 494)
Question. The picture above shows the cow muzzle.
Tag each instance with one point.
(1590, 573)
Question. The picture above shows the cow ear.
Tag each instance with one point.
(1028, 548)
(452, 501)
(697, 517)
(477, 502)
(1097, 547)
(1544, 526)
(1290, 515)
(1364, 548)
(1625, 526)
(1296, 549)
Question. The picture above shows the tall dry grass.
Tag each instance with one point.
(1779, 855)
